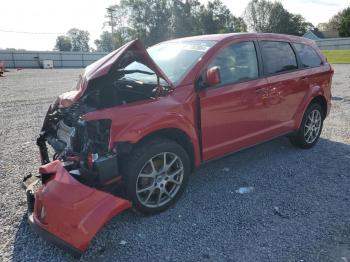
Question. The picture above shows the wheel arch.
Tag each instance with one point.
(321, 100)
(318, 98)
(175, 134)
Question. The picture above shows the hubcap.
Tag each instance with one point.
(312, 126)
(159, 180)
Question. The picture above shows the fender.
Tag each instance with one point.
(132, 123)
(314, 91)
(136, 133)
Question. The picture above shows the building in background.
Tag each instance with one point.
(317, 35)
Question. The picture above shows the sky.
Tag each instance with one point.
(57, 17)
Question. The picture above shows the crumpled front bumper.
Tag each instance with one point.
(67, 212)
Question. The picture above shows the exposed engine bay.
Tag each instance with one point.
(79, 186)
(82, 145)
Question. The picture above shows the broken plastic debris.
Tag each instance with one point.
(226, 169)
(279, 213)
(245, 190)
(123, 242)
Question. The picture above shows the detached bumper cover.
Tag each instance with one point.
(53, 239)
(69, 213)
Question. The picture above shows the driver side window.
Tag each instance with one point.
(237, 63)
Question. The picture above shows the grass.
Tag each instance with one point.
(337, 56)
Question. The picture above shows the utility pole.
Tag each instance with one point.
(110, 11)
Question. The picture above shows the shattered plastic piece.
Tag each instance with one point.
(226, 169)
(123, 242)
(245, 190)
(279, 213)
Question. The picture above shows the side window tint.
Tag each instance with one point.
(237, 63)
(278, 57)
(308, 55)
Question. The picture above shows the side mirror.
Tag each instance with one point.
(213, 76)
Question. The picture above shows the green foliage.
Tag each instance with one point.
(217, 18)
(63, 43)
(344, 27)
(154, 21)
(271, 17)
(339, 22)
(106, 43)
(184, 18)
(75, 40)
(80, 39)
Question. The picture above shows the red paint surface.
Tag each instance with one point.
(232, 117)
(102, 67)
(74, 212)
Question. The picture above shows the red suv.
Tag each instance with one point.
(140, 122)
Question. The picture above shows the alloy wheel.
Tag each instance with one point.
(312, 126)
(159, 180)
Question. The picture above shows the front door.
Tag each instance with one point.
(233, 114)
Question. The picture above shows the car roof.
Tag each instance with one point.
(232, 36)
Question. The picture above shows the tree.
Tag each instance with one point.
(344, 27)
(298, 25)
(184, 18)
(106, 42)
(63, 43)
(153, 21)
(339, 22)
(240, 25)
(271, 17)
(333, 24)
(80, 39)
(150, 20)
(217, 18)
(258, 15)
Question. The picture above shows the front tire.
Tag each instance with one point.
(310, 129)
(156, 174)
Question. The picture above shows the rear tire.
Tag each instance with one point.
(156, 174)
(310, 129)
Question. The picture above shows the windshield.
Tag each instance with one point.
(175, 58)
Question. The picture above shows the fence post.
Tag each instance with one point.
(38, 60)
(13, 60)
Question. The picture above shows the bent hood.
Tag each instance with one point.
(128, 53)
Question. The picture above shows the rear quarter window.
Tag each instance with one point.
(308, 55)
(278, 57)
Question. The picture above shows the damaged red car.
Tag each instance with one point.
(140, 121)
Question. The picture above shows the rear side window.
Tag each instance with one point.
(237, 63)
(308, 56)
(278, 57)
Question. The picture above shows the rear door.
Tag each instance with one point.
(317, 72)
(232, 113)
(286, 89)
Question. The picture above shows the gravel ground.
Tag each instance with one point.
(298, 211)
